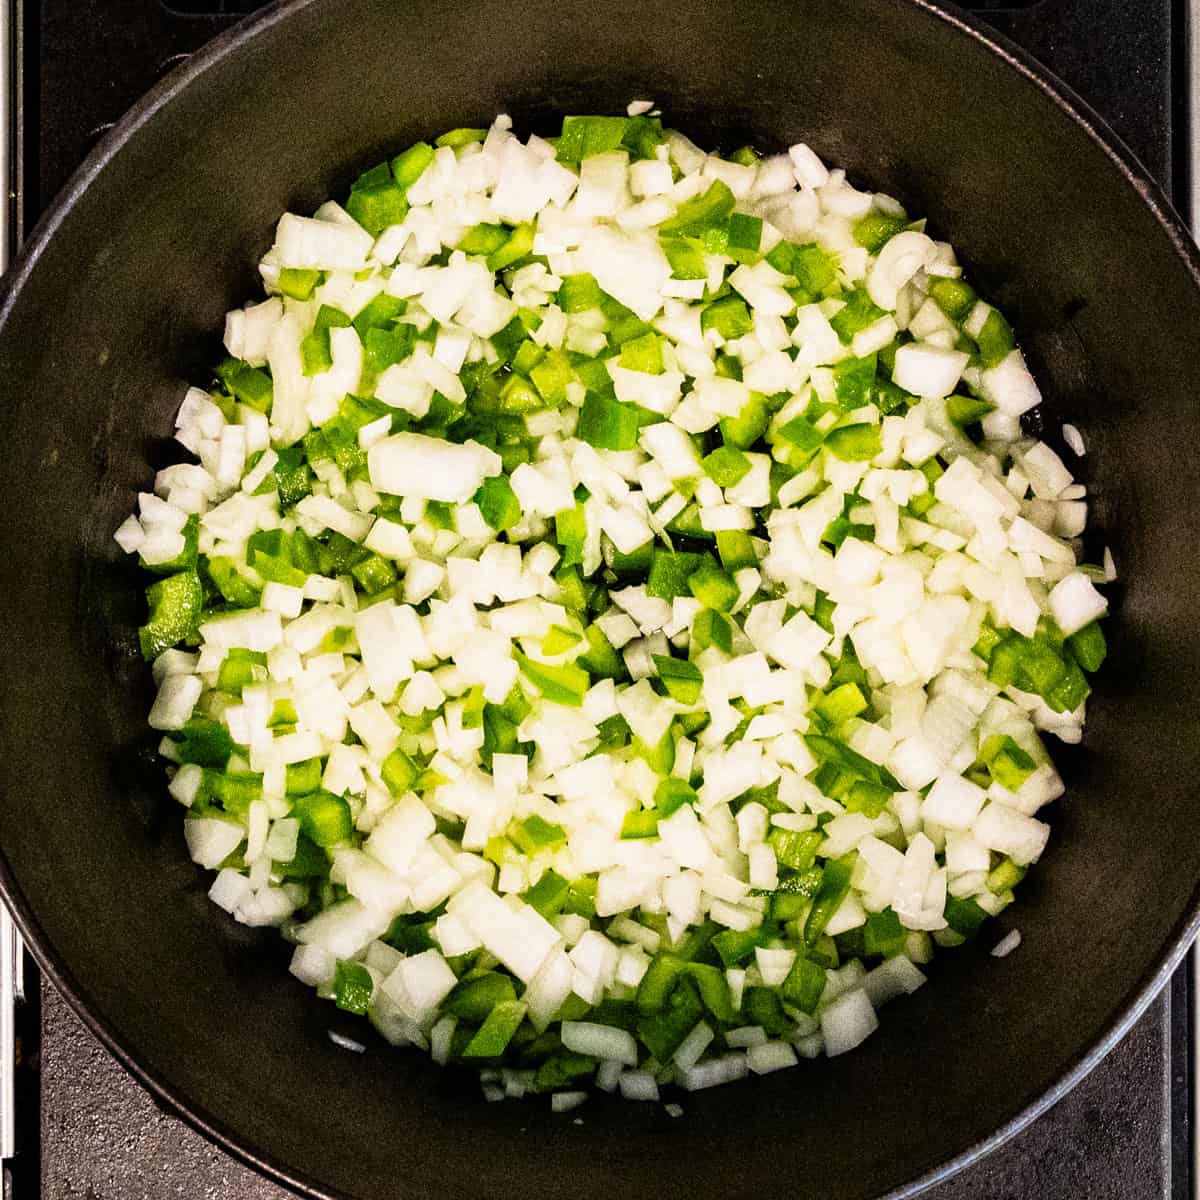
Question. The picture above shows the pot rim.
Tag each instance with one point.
(1089, 123)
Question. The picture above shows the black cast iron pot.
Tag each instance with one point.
(115, 301)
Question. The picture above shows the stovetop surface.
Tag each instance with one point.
(89, 1131)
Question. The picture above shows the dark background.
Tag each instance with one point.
(89, 1132)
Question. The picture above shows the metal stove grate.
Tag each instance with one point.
(1121, 1134)
(226, 8)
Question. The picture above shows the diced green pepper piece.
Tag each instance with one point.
(235, 790)
(701, 212)
(584, 136)
(283, 712)
(746, 156)
(714, 990)
(175, 605)
(535, 833)
(642, 354)
(519, 396)
(409, 166)
(823, 609)
(498, 503)
(867, 797)
(964, 916)
(883, 934)
(828, 750)
(841, 704)
(640, 823)
(860, 311)
(304, 777)
(1088, 646)
(713, 587)
(671, 795)
(315, 354)
(1009, 764)
(801, 434)
(1041, 667)
(232, 584)
(293, 477)
(790, 900)
(814, 269)
(378, 313)
(297, 283)
(309, 862)
(966, 410)
(996, 340)
(989, 638)
(560, 1070)
(1070, 691)
(658, 981)
(251, 385)
(805, 984)
(600, 659)
(461, 137)
(795, 849)
(726, 466)
(399, 772)
(874, 230)
(1005, 876)
(749, 425)
(559, 639)
(548, 895)
(579, 293)
(954, 297)
(685, 256)
(204, 742)
(519, 244)
(854, 443)
(711, 629)
(483, 239)
(682, 679)
(551, 377)
(835, 883)
(574, 593)
(581, 897)
(669, 573)
(497, 1031)
(761, 1006)
(324, 817)
(736, 946)
(729, 316)
(570, 532)
(352, 987)
(735, 550)
(663, 1031)
(472, 999)
(608, 424)
(565, 684)
(508, 341)
(237, 669)
(377, 201)
(855, 380)
(745, 238)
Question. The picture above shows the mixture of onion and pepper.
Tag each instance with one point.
(610, 609)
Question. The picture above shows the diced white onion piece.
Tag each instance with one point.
(412, 464)
(847, 1022)
(600, 1041)
(928, 371)
(1007, 944)
(1075, 602)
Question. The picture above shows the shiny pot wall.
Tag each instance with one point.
(116, 300)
